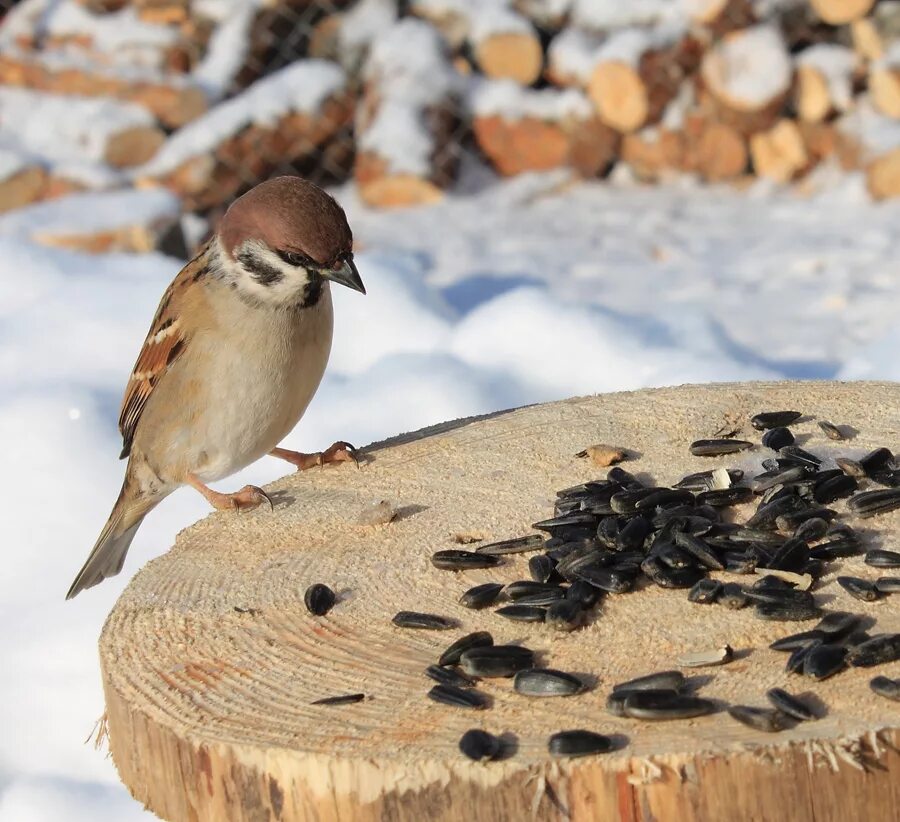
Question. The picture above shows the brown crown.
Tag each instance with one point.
(289, 214)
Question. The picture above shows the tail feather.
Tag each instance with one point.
(108, 555)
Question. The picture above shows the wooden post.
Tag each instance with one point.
(210, 661)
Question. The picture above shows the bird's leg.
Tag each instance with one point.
(248, 497)
(339, 452)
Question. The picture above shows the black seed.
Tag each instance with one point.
(766, 514)
(740, 562)
(812, 530)
(566, 615)
(773, 419)
(888, 585)
(881, 558)
(770, 581)
(798, 641)
(633, 533)
(578, 743)
(790, 705)
(723, 497)
(862, 589)
(664, 497)
(699, 549)
(343, 699)
(428, 622)
(705, 480)
(479, 639)
(733, 596)
(607, 579)
(871, 503)
(533, 542)
(718, 448)
(497, 661)
(786, 611)
(834, 488)
(528, 587)
(583, 593)
(878, 460)
(319, 599)
(798, 657)
(568, 521)
(522, 613)
(831, 430)
(480, 746)
(457, 560)
(837, 549)
(837, 624)
(760, 719)
(625, 502)
(878, 650)
(481, 596)
(648, 705)
(541, 567)
(792, 556)
(779, 478)
(458, 697)
(776, 438)
(670, 680)
(796, 454)
(544, 599)
(887, 478)
(850, 467)
(790, 521)
(781, 596)
(449, 676)
(823, 661)
(705, 591)
(666, 577)
(888, 688)
(547, 682)
(672, 556)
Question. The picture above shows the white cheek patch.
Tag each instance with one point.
(262, 274)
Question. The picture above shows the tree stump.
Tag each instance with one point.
(210, 660)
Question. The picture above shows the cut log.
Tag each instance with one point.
(747, 77)
(506, 46)
(522, 130)
(285, 118)
(824, 81)
(406, 122)
(721, 16)
(654, 153)
(884, 86)
(637, 74)
(22, 187)
(715, 151)
(174, 103)
(874, 36)
(345, 37)
(779, 154)
(210, 662)
(133, 146)
(571, 57)
(839, 12)
(883, 176)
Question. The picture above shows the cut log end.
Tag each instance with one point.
(883, 176)
(884, 85)
(514, 56)
(812, 96)
(780, 153)
(839, 12)
(399, 191)
(619, 95)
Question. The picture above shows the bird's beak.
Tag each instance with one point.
(346, 275)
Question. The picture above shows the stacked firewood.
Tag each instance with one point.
(207, 97)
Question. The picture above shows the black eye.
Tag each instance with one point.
(295, 258)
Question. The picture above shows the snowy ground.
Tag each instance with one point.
(528, 291)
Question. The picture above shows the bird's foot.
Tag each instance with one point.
(246, 499)
(338, 452)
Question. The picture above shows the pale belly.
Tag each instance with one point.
(251, 395)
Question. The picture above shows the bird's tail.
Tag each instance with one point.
(108, 555)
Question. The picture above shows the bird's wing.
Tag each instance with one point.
(166, 341)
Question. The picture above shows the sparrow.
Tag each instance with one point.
(234, 355)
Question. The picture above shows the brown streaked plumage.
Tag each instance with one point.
(233, 357)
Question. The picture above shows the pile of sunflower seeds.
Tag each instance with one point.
(615, 535)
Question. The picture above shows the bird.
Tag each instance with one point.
(234, 355)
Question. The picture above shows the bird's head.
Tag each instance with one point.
(283, 240)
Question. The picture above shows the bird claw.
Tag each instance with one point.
(250, 497)
(339, 452)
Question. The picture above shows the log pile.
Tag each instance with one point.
(724, 90)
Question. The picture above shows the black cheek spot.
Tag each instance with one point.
(261, 271)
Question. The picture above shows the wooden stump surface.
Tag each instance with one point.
(210, 659)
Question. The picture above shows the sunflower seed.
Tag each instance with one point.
(669, 680)
(541, 567)
(862, 589)
(481, 596)
(702, 659)
(479, 639)
(449, 676)
(888, 585)
(834, 488)
(871, 503)
(480, 746)
(767, 514)
(607, 579)
(773, 419)
(786, 611)
(522, 613)
(723, 497)
(528, 587)
(496, 661)
(733, 596)
(760, 719)
(850, 467)
(837, 624)
(795, 454)
(831, 430)
(664, 706)
(666, 577)
(823, 661)
(790, 705)
(705, 591)
(710, 480)
(790, 521)
(718, 448)
(776, 438)
(878, 650)
(792, 556)
(888, 688)
(621, 476)
(664, 497)
(458, 697)
(699, 549)
(565, 615)
(568, 521)
(578, 743)
(456, 559)
(877, 460)
(319, 599)
(428, 622)
(798, 656)
(633, 533)
(798, 641)
(625, 502)
(543, 599)
(811, 530)
(836, 549)
(343, 699)
(519, 545)
(881, 558)
(547, 682)
(583, 593)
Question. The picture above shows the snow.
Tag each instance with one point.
(399, 136)
(874, 131)
(226, 50)
(732, 67)
(605, 15)
(573, 54)
(521, 291)
(627, 46)
(301, 87)
(13, 161)
(511, 101)
(108, 32)
(492, 20)
(365, 21)
(836, 64)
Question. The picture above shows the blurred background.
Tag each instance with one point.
(549, 198)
